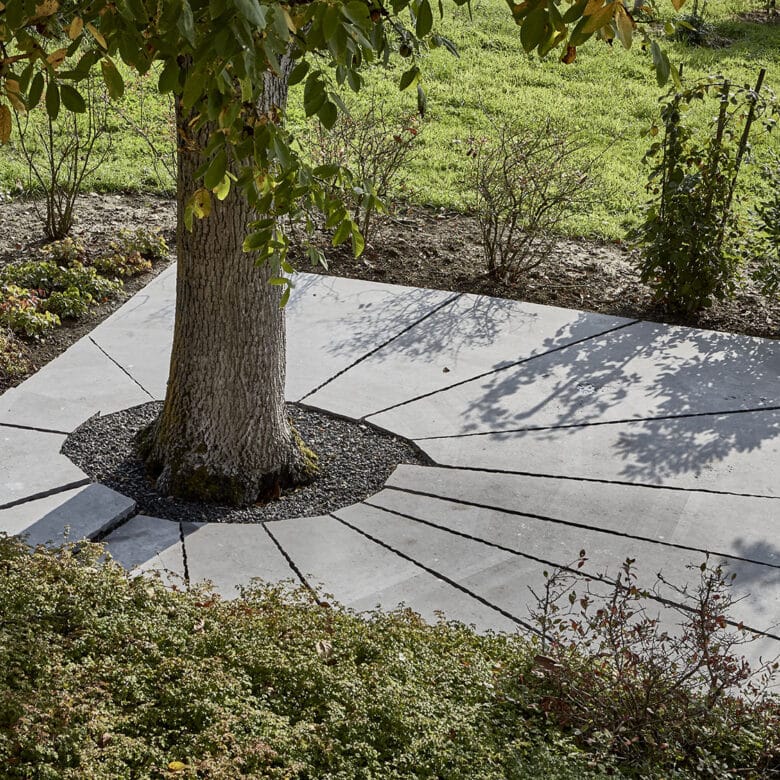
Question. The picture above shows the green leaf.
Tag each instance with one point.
(222, 190)
(298, 73)
(328, 114)
(216, 170)
(575, 12)
(52, 100)
(409, 77)
(169, 77)
(601, 18)
(113, 78)
(424, 19)
(534, 29)
(72, 100)
(330, 21)
(357, 13)
(422, 101)
(314, 95)
(257, 240)
(343, 233)
(252, 11)
(36, 90)
(661, 63)
(186, 23)
(358, 242)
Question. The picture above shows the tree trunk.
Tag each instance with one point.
(223, 434)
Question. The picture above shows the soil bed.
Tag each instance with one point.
(419, 247)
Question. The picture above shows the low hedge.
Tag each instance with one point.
(106, 676)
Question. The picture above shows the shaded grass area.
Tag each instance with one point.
(608, 96)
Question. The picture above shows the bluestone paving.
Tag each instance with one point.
(138, 336)
(90, 512)
(734, 453)
(473, 335)
(16, 519)
(623, 438)
(740, 526)
(232, 555)
(78, 384)
(640, 371)
(31, 465)
(434, 524)
(333, 322)
(149, 544)
(363, 574)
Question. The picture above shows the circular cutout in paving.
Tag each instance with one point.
(355, 461)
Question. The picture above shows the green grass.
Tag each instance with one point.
(608, 96)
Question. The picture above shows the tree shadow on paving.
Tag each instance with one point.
(639, 372)
(464, 322)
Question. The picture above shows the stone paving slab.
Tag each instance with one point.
(736, 453)
(741, 526)
(86, 513)
(17, 518)
(31, 465)
(332, 322)
(474, 335)
(78, 384)
(232, 555)
(139, 335)
(475, 529)
(149, 544)
(363, 575)
(641, 371)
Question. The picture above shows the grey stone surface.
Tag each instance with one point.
(84, 515)
(16, 519)
(332, 322)
(538, 542)
(362, 574)
(232, 555)
(473, 335)
(741, 526)
(146, 545)
(140, 333)
(31, 464)
(644, 370)
(738, 453)
(79, 383)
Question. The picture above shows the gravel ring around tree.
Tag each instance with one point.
(355, 461)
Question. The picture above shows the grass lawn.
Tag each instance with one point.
(608, 96)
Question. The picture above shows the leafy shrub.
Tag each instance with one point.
(370, 146)
(147, 243)
(67, 304)
(692, 248)
(20, 311)
(629, 688)
(64, 252)
(119, 265)
(767, 231)
(14, 361)
(122, 677)
(48, 277)
(526, 179)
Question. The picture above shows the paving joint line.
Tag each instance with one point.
(121, 368)
(46, 493)
(594, 423)
(184, 561)
(367, 355)
(578, 572)
(291, 563)
(556, 521)
(33, 428)
(439, 576)
(513, 364)
(600, 481)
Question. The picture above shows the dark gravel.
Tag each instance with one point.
(355, 461)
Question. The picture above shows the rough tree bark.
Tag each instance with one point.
(223, 434)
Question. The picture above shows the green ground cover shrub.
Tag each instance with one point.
(104, 676)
